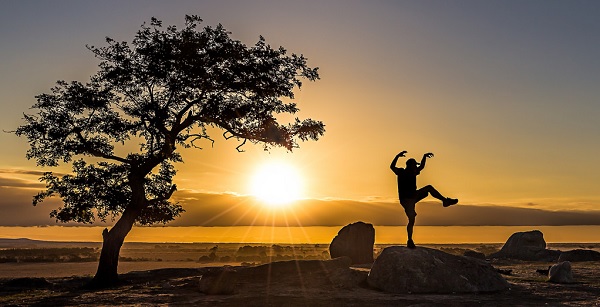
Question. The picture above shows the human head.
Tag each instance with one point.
(411, 163)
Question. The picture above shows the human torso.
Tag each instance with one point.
(407, 183)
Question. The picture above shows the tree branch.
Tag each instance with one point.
(181, 113)
(196, 137)
(164, 197)
(239, 146)
(227, 137)
(97, 153)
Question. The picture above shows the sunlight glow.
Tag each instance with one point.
(277, 184)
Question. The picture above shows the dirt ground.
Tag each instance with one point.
(179, 287)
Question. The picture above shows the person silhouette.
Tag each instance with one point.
(407, 190)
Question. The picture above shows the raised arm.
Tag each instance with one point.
(422, 164)
(393, 165)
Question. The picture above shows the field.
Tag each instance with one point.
(168, 273)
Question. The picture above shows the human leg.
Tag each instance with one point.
(409, 229)
(430, 190)
(409, 209)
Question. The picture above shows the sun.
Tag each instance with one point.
(276, 184)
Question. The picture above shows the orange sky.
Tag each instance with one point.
(505, 93)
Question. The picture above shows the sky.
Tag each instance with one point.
(504, 93)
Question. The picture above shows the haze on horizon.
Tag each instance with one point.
(503, 92)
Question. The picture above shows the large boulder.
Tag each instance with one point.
(528, 245)
(355, 241)
(561, 273)
(423, 270)
(579, 255)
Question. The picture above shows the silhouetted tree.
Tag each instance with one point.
(149, 97)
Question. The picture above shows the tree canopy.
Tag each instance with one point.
(160, 92)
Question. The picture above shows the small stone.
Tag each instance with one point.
(561, 273)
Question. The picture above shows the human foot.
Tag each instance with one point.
(449, 202)
(410, 244)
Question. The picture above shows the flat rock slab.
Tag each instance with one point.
(579, 255)
(424, 270)
(305, 273)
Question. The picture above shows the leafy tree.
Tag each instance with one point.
(156, 94)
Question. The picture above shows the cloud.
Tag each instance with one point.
(207, 209)
(20, 183)
(229, 209)
(17, 188)
(16, 208)
(21, 171)
(21, 178)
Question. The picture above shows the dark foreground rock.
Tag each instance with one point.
(423, 270)
(218, 281)
(474, 254)
(579, 255)
(529, 246)
(305, 273)
(316, 274)
(27, 282)
(355, 241)
(179, 287)
(561, 273)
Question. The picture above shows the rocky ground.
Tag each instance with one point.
(179, 287)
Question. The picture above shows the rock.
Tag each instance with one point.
(306, 273)
(28, 283)
(522, 245)
(423, 270)
(218, 281)
(355, 241)
(474, 254)
(504, 272)
(561, 273)
(579, 255)
(529, 245)
(292, 267)
(543, 271)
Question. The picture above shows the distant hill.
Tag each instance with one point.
(21, 242)
(29, 243)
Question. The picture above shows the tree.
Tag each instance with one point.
(162, 91)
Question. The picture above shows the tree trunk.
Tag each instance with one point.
(112, 240)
